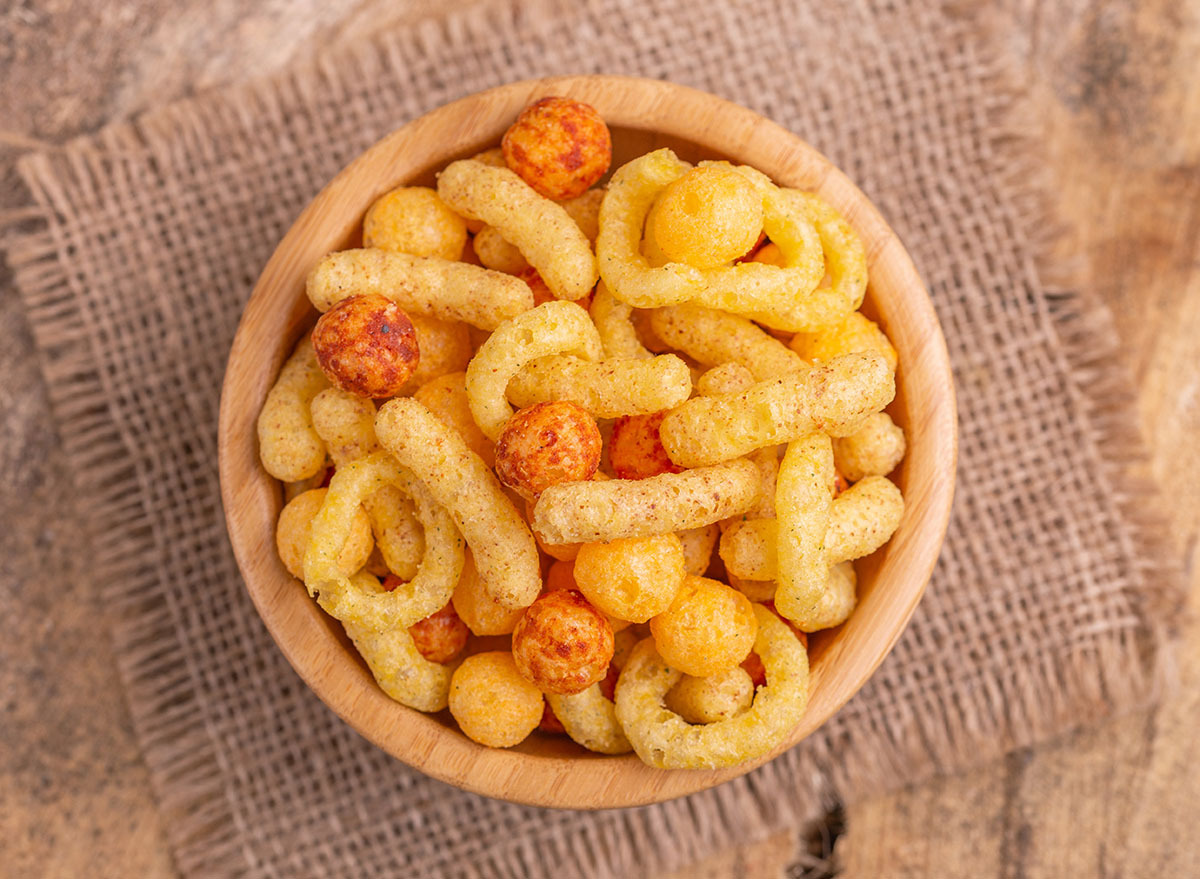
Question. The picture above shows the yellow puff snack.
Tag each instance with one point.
(861, 519)
(607, 389)
(629, 276)
(412, 219)
(713, 337)
(551, 328)
(836, 603)
(445, 347)
(709, 699)
(709, 627)
(420, 285)
(665, 740)
(590, 720)
(341, 597)
(755, 590)
(788, 297)
(585, 211)
(288, 446)
(294, 528)
(346, 423)
(855, 332)
(541, 229)
(492, 703)
(506, 556)
(804, 494)
(698, 544)
(398, 667)
(728, 378)
(709, 216)
(873, 450)
(834, 398)
(497, 254)
(446, 397)
(588, 512)
(483, 614)
(631, 578)
(613, 320)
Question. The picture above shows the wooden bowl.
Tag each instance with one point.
(643, 114)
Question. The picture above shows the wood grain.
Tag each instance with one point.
(643, 114)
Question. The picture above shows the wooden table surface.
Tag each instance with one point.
(1115, 95)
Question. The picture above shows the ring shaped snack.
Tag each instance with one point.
(288, 445)
(590, 720)
(712, 338)
(342, 596)
(538, 227)
(551, 328)
(506, 557)
(664, 739)
(396, 663)
(422, 285)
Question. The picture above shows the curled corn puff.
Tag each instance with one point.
(288, 445)
(506, 557)
(713, 337)
(606, 389)
(590, 720)
(422, 285)
(539, 228)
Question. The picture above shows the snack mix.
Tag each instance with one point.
(590, 458)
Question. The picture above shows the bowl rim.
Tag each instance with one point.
(654, 106)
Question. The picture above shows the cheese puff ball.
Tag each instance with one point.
(366, 345)
(562, 643)
(633, 578)
(855, 333)
(541, 293)
(708, 628)
(545, 444)
(441, 636)
(558, 146)
(482, 614)
(445, 347)
(446, 397)
(635, 450)
(708, 217)
(412, 219)
(492, 703)
(717, 697)
(295, 525)
(873, 450)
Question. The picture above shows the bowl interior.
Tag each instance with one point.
(643, 115)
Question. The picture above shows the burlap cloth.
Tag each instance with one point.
(1045, 610)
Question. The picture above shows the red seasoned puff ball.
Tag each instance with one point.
(366, 345)
(559, 147)
(541, 293)
(441, 636)
(545, 444)
(562, 644)
(635, 450)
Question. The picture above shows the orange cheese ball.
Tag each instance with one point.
(562, 644)
(561, 575)
(441, 636)
(475, 607)
(545, 444)
(492, 703)
(708, 217)
(366, 345)
(708, 628)
(717, 697)
(558, 146)
(632, 578)
(295, 526)
(412, 219)
(635, 450)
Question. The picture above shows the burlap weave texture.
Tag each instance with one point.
(1044, 609)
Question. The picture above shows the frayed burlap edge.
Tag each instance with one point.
(202, 826)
